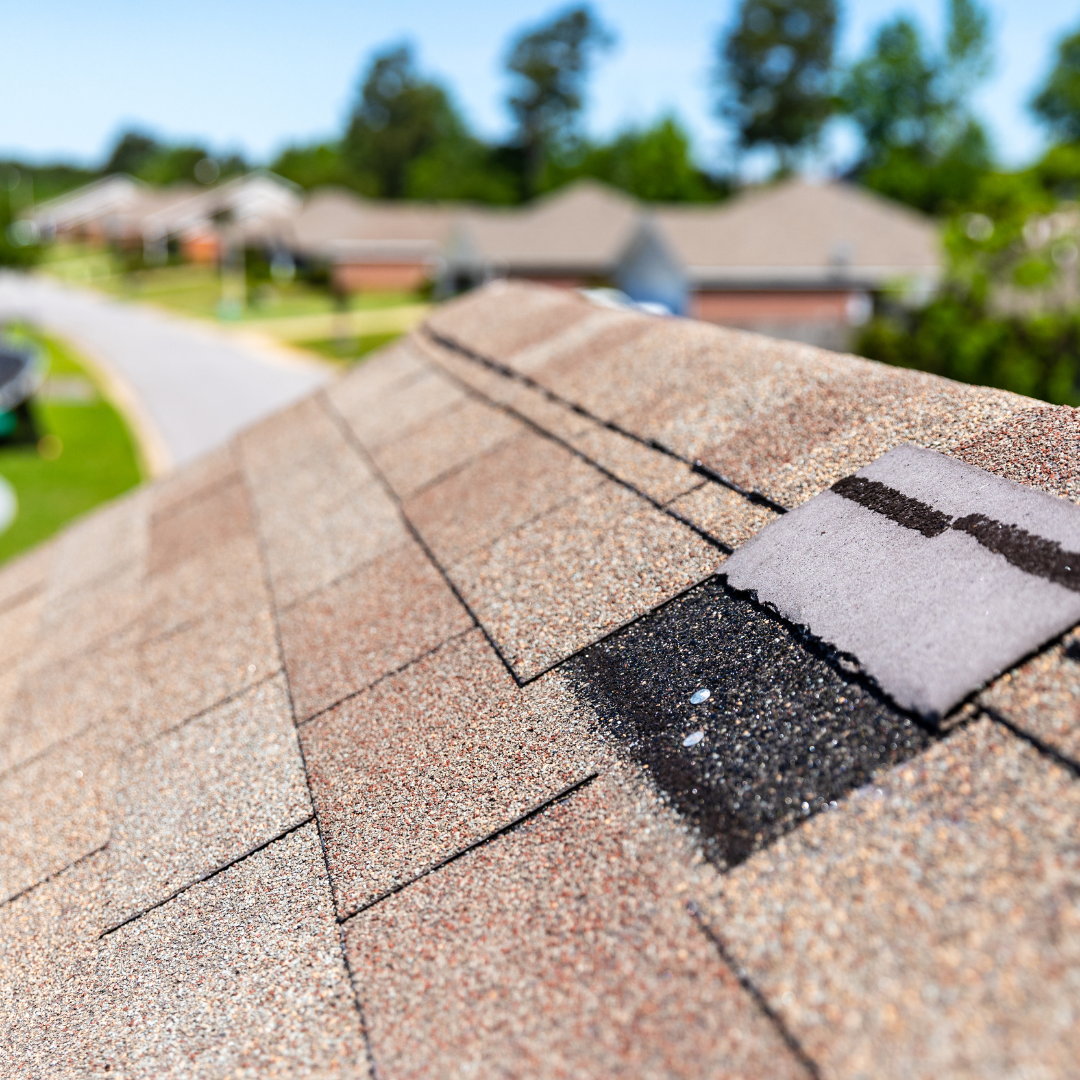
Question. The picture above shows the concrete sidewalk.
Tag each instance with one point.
(185, 388)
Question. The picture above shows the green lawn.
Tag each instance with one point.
(351, 349)
(97, 458)
(196, 290)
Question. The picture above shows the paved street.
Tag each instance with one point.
(191, 386)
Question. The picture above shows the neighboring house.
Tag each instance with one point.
(369, 244)
(795, 260)
(572, 237)
(123, 210)
(89, 212)
(248, 209)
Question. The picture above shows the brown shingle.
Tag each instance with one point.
(240, 975)
(928, 926)
(195, 480)
(352, 633)
(399, 409)
(57, 701)
(495, 493)
(444, 444)
(198, 524)
(426, 763)
(722, 513)
(1039, 447)
(321, 511)
(1040, 695)
(572, 575)
(556, 950)
(198, 797)
(199, 664)
(48, 939)
(54, 810)
(477, 322)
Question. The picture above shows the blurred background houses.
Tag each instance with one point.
(916, 248)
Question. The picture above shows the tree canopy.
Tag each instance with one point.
(549, 66)
(1057, 104)
(921, 143)
(399, 117)
(774, 73)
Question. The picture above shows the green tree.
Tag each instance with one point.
(312, 166)
(462, 168)
(132, 151)
(171, 164)
(652, 163)
(549, 65)
(774, 74)
(399, 117)
(1057, 104)
(921, 144)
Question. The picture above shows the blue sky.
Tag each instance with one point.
(257, 75)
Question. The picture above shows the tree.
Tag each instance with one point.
(921, 144)
(774, 74)
(652, 163)
(549, 65)
(1057, 104)
(312, 166)
(398, 118)
(132, 151)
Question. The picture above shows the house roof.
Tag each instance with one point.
(580, 228)
(108, 195)
(336, 224)
(801, 233)
(378, 740)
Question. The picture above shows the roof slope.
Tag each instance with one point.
(367, 742)
(813, 232)
(335, 223)
(581, 228)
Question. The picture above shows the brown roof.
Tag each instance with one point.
(335, 223)
(801, 233)
(581, 228)
(360, 746)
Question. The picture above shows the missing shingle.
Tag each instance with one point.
(784, 732)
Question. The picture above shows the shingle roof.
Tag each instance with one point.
(801, 233)
(336, 224)
(378, 740)
(580, 229)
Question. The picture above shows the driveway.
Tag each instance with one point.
(186, 388)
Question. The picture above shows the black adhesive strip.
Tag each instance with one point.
(887, 501)
(1026, 551)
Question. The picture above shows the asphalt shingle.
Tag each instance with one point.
(556, 950)
(495, 493)
(198, 797)
(427, 763)
(365, 626)
(928, 926)
(54, 809)
(559, 582)
(241, 975)
(321, 511)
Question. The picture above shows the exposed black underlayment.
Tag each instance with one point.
(784, 732)
(1026, 551)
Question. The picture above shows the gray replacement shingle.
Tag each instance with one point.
(934, 574)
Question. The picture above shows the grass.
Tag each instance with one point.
(196, 290)
(350, 350)
(97, 459)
